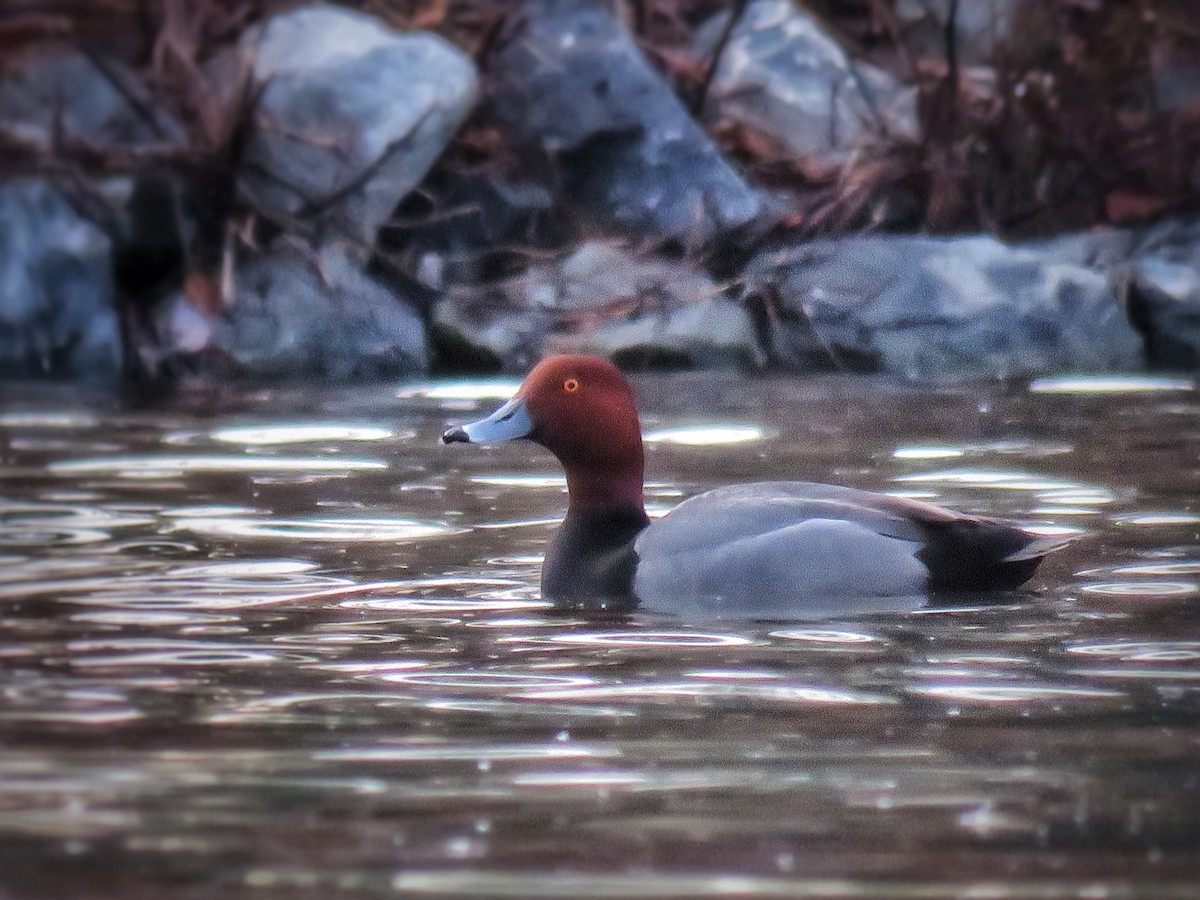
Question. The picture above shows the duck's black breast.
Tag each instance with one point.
(592, 557)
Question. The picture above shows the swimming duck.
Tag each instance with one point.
(781, 547)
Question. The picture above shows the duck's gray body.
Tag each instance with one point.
(782, 546)
(790, 548)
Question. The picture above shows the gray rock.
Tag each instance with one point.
(1164, 294)
(57, 315)
(981, 26)
(351, 115)
(299, 314)
(1177, 85)
(782, 76)
(570, 80)
(1102, 250)
(604, 300)
(937, 308)
(488, 327)
(61, 98)
(466, 225)
(59, 102)
(706, 333)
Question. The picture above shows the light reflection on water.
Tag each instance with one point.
(316, 528)
(301, 434)
(1111, 384)
(244, 658)
(707, 435)
(167, 466)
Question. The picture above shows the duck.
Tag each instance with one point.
(778, 549)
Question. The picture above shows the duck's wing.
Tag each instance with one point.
(789, 547)
(830, 538)
(816, 567)
(969, 553)
(740, 511)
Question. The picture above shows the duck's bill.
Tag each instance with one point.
(509, 422)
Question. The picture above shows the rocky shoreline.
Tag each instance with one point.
(347, 234)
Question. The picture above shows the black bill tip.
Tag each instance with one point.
(455, 435)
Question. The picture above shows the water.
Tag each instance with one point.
(284, 644)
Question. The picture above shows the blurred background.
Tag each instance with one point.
(199, 191)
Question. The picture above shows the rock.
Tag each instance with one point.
(300, 314)
(782, 76)
(52, 99)
(351, 115)
(981, 26)
(488, 328)
(1103, 250)
(1172, 85)
(468, 227)
(604, 300)
(1164, 294)
(59, 102)
(57, 314)
(939, 308)
(570, 81)
(707, 333)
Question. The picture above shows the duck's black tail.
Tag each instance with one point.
(970, 554)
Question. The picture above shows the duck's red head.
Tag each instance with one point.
(582, 410)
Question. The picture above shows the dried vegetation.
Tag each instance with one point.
(1067, 130)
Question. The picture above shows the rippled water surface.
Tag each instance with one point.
(284, 644)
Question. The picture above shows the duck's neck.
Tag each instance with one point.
(592, 557)
(591, 488)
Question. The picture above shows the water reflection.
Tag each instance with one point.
(1023, 449)
(485, 681)
(928, 452)
(706, 435)
(1141, 651)
(35, 420)
(1013, 693)
(495, 389)
(994, 479)
(690, 640)
(168, 466)
(1111, 384)
(1158, 519)
(316, 529)
(526, 481)
(303, 434)
(1143, 588)
(244, 657)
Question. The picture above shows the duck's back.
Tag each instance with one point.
(798, 546)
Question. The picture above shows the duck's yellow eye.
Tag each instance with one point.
(571, 385)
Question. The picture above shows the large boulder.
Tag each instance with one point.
(981, 27)
(942, 307)
(1164, 294)
(603, 299)
(53, 99)
(57, 315)
(59, 102)
(469, 226)
(298, 313)
(1175, 81)
(569, 80)
(350, 115)
(782, 76)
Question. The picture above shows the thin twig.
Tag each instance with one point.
(144, 112)
(735, 15)
(950, 37)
